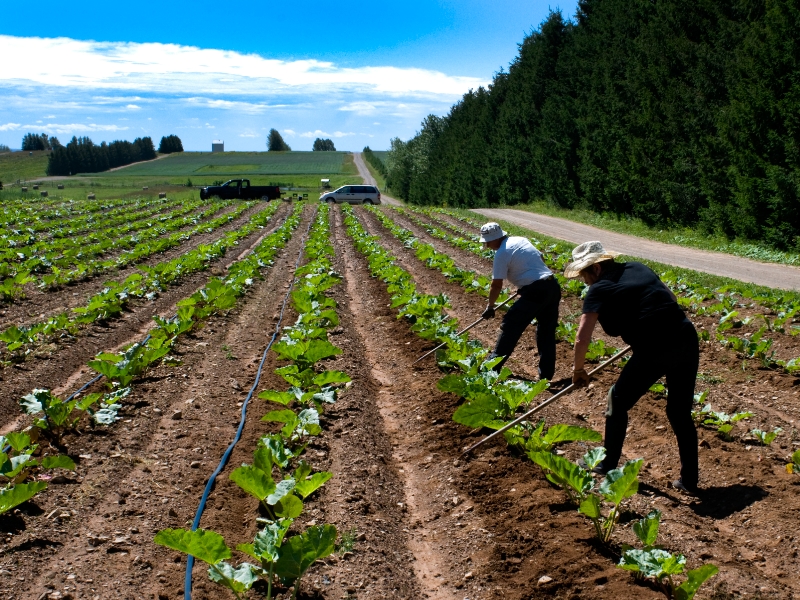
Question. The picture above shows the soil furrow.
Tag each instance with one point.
(148, 472)
(52, 367)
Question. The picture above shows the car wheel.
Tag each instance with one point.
(368, 201)
(265, 198)
(331, 201)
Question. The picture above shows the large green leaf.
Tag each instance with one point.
(255, 482)
(306, 487)
(696, 578)
(18, 440)
(590, 506)
(281, 489)
(319, 349)
(594, 457)
(208, 546)
(328, 377)
(565, 472)
(654, 563)
(621, 483)
(289, 507)
(482, 411)
(239, 579)
(452, 383)
(284, 398)
(62, 461)
(11, 497)
(647, 529)
(268, 541)
(281, 416)
(298, 553)
(571, 433)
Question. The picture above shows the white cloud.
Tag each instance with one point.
(133, 107)
(49, 117)
(361, 107)
(289, 132)
(165, 68)
(10, 127)
(249, 134)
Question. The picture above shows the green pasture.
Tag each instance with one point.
(23, 166)
(237, 164)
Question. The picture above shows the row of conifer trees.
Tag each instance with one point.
(679, 112)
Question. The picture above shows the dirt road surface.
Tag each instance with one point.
(768, 274)
(364, 173)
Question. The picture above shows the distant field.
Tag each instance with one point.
(228, 164)
(20, 165)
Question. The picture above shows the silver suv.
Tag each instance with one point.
(354, 194)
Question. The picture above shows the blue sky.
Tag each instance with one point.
(359, 72)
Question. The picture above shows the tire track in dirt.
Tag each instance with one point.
(149, 471)
(39, 305)
(51, 371)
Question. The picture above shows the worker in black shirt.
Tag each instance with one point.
(631, 302)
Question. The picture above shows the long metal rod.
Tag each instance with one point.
(467, 328)
(551, 399)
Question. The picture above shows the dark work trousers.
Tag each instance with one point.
(675, 354)
(539, 301)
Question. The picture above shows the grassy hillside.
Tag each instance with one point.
(229, 164)
(20, 165)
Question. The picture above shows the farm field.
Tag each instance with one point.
(296, 327)
(238, 163)
(20, 165)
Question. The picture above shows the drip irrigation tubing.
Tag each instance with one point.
(97, 378)
(187, 587)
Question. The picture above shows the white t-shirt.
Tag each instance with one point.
(519, 261)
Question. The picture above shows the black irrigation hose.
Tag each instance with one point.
(187, 585)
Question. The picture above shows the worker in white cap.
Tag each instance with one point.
(517, 260)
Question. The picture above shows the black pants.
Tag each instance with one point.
(539, 301)
(675, 354)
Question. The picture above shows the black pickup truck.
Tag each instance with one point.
(241, 189)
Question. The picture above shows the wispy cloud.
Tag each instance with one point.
(324, 134)
(165, 68)
(289, 132)
(61, 127)
(10, 126)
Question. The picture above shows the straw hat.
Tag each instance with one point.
(587, 254)
(491, 232)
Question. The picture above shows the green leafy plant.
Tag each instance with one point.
(765, 438)
(721, 421)
(660, 566)
(618, 485)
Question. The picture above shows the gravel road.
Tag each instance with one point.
(767, 274)
(363, 171)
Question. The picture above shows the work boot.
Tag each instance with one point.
(692, 490)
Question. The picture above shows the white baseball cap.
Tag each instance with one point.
(491, 232)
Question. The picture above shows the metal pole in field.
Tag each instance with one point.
(551, 399)
(467, 328)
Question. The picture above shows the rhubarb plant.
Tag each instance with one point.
(655, 564)
(618, 485)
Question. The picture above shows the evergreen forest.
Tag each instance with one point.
(678, 112)
(81, 155)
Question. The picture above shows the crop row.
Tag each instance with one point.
(31, 214)
(22, 236)
(492, 398)
(109, 303)
(704, 414)
(55, 256)
(23, 460)
(280, 476)
(727, 304)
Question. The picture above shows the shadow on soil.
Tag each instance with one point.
(723, 501)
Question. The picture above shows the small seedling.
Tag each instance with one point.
(766, 437)
(228, 353)
(347, 541)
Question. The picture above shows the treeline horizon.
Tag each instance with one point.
(676, 112)
(81, 155)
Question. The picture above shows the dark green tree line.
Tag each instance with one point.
(170, 144)
(275, 142)
(325, 145)
(81, 155)
(32, 142)
(674, 111)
